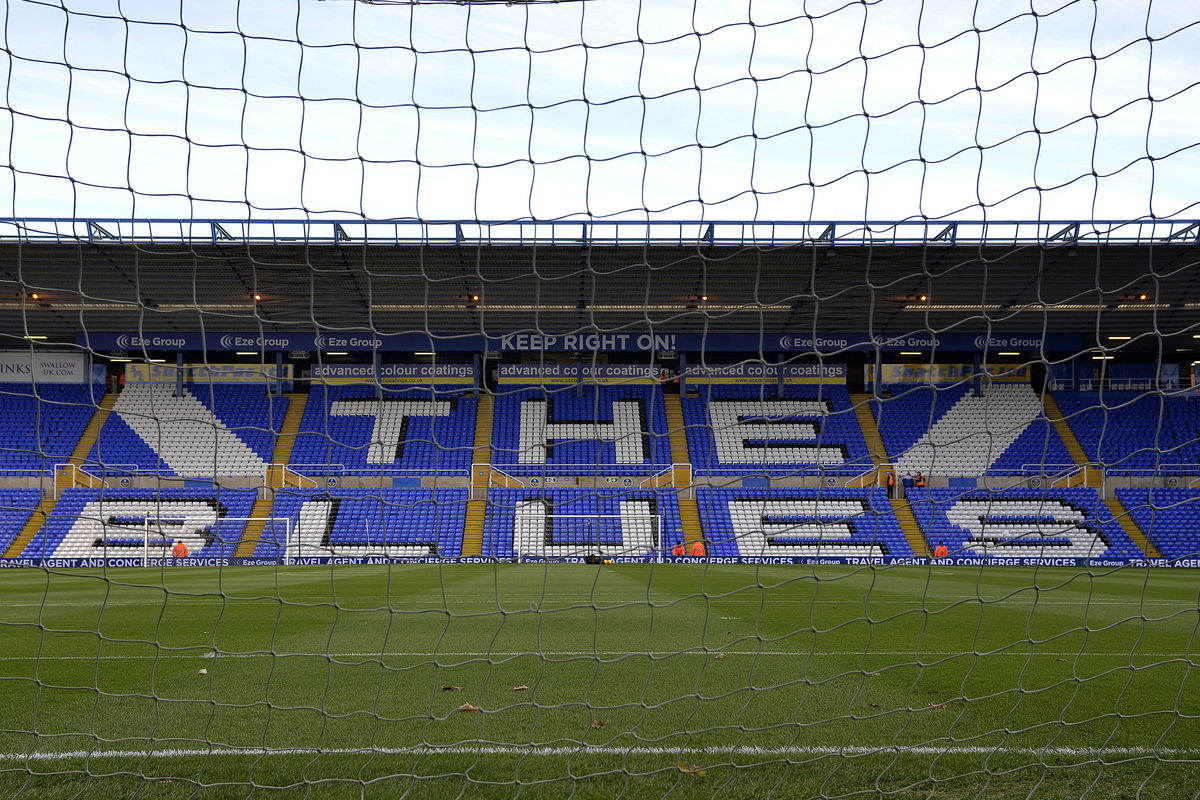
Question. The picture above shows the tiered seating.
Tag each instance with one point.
(209, 430)
(40, 425)
(1024, 523)
(408, 431)
(735, 430)
(1136, 433)
(15, 507)
(100, 523)
(589, 430)
(562, 523)
(400, 523)
(1169, 517)
(800, 522)
(948, 431)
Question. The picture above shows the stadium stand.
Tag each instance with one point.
(946, 430)
(401, 523)
(733, 430)
(1026, 523)
(41, 424)
(580, 430)
(558, 523)
(98, 523)
(1135, 433)
(1168, 517)
(16, 506)
(406, 431)
(209, 430)
(800, 522)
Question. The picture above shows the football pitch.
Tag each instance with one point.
(574, 681)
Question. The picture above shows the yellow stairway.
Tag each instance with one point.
(254, 528)
(677, 429)
(870, 428)
(1131, 528)
(282, 454)
(689, 518)
(285, 442)
(1056, 418)
(67, 479)
(472, 544)
(34, 524)
(71, 477)
(689, 511)
(908, 524)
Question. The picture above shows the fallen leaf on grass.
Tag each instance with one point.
(521, 688)
(719, 655)
(1060, 659)
(692, 770)
(873, 705)
(597, 723)
(872, 674)
(468, 707)
(448, 688)
(203, 672)
(938, 705)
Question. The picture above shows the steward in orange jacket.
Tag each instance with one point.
(698, 548)
(679, 550)
(180, 550)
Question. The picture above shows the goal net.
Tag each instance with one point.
(884, 313)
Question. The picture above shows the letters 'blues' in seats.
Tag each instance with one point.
(1021, 523)
(800, 522)
(391, 523)
(117, 523)
(571, 523)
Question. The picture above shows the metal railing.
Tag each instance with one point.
(603, 233)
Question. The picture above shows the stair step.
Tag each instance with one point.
(1090, 477)
(689, 518)
(285, 442)
(472, 543)
(484, 414)
(908, 524)
(1131, 528)
(31, 527)
(254, 528)
(677, 431)
(870, 428)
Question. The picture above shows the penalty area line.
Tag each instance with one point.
(608, 750)
(208, 654)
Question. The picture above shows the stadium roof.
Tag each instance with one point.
(1100, 279)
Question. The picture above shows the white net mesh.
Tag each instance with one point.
(373, 301)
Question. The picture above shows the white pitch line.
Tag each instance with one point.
(608, 750)
(621, 602)
(210, 655)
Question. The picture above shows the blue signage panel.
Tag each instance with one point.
(583, 342)
(874, 561)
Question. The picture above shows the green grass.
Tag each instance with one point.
(996, 682)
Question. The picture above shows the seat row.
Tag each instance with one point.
(211, 429)
(556, 523)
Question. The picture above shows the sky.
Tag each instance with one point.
(650, 109)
